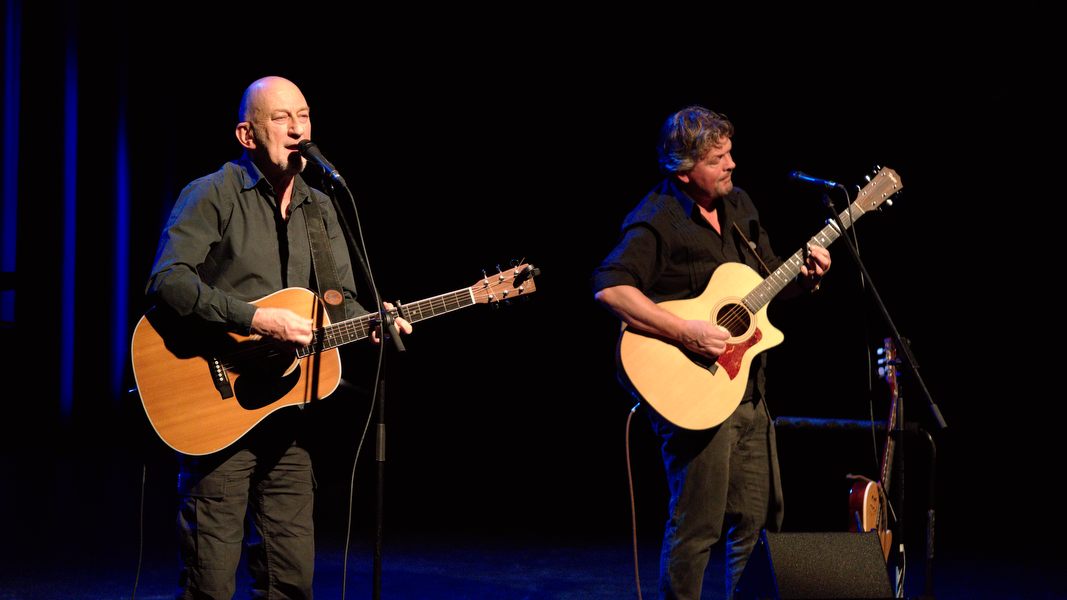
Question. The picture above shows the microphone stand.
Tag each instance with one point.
(388, 324)
(379, 457)
(913, 365)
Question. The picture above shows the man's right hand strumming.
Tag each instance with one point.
(282, 324)
(704, 337)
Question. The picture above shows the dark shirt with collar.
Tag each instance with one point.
(225, 244)
(669, 250)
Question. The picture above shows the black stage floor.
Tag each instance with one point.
(70, 525)
(437, 567)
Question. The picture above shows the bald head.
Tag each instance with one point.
(274, 119)
(257, 95)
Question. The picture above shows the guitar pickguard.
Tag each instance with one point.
(730, 360)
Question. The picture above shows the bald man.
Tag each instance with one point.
(235, 236)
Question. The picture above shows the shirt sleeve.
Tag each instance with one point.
(195, 225)
(637, 260)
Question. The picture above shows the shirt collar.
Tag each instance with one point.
(251, 177)
(250, 173)
(729, 201)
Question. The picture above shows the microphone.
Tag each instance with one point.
(309, 150)
(801, 176)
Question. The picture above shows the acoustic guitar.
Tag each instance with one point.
(695, 392)
(867, 500)
(204, 388)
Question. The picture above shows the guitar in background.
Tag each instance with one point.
(868, 502)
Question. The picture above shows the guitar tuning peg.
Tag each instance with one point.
(881, 371)
(889, 202)
(880, 351)
(868, 178)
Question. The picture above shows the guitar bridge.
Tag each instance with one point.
(710, 364)
(220, 378)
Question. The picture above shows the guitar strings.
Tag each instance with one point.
(335, 334)
(739, 312)
(734, 316)
(360, 327)
(323, 337)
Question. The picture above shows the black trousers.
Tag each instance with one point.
(267, 478)
(718, 478)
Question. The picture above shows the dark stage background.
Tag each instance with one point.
(467, 147)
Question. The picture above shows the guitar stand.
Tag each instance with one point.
(928, 529)
(910, 429)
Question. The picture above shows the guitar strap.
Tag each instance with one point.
(751, 247)
(326, 280)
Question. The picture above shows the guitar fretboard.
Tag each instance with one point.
(358, 328)
(891, 422)
(438, 305)
(776, 281)
(878, 190)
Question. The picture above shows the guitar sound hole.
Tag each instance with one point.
(262, 379)
(734, 317)
(257, 389)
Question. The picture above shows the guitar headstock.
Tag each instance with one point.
(887, 364)
(506, 284)
(878, 190)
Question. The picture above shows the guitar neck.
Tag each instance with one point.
(878, 190)
(358, 328)
(887, 457)
(438, 305)
(790, 269)
(891, 421)
(514, 282)
(887, 461)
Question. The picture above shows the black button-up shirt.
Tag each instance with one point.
(669, 250)
(225, 244)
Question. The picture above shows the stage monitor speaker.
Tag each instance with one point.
(815, 565)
